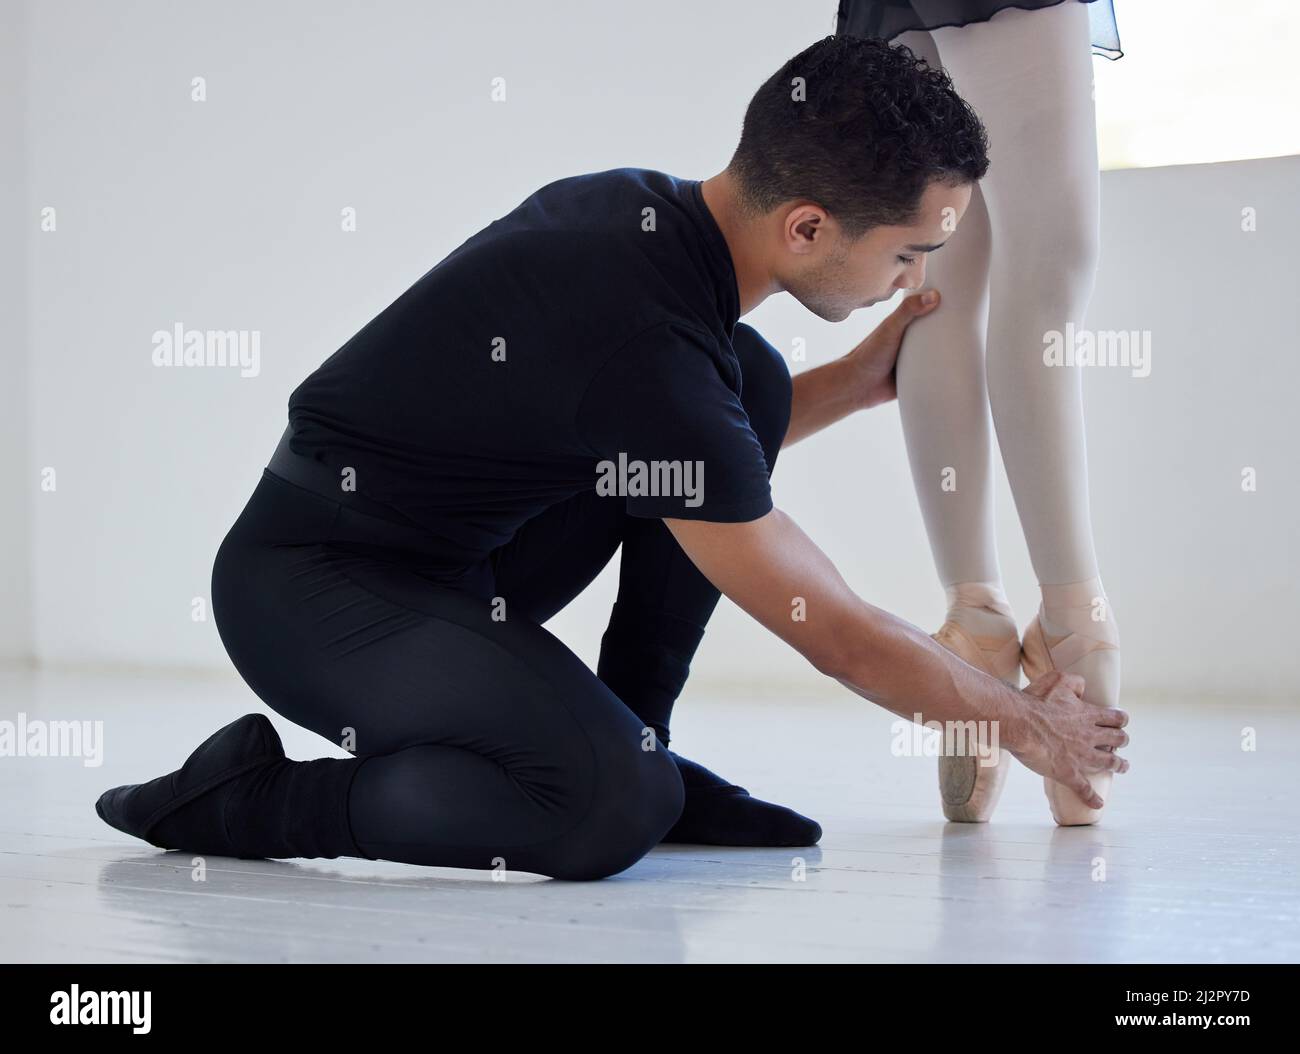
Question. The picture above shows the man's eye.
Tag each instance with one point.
(909, 260)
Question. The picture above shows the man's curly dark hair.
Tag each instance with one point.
(862, 133)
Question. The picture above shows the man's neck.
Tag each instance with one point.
(752, 280)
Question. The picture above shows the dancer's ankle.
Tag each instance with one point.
(1078, 607)
(1081, 636)
(980, 608)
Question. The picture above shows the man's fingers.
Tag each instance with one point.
(1074, 682)
(1086, 794)
(1112, 717)
(1106, 760)
(918, 304)
(911, 307)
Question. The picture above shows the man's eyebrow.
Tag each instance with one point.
(924, 248)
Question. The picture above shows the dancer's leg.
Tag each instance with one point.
(1028, 74)
(943, 404)
(1029, 79)
(942, 398)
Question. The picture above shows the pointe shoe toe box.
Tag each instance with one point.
(1041, 654)
(969, 791)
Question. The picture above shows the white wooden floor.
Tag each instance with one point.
(1199, 847)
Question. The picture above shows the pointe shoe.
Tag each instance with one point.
(968, 788)
(1041, 653)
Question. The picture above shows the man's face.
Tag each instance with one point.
(833, 277)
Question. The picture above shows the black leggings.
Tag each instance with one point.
(480, 740)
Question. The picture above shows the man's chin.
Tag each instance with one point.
(829, 312)
(832, 314)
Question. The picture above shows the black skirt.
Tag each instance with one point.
(888, 18)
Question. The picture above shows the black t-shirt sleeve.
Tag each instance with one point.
(671, 434)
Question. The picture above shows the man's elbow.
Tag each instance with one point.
(832, 655)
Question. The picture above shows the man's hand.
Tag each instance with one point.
(1062, 737)
(861, 379)
(875, 358)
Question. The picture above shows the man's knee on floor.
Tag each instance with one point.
(766, 387)
(636, 804)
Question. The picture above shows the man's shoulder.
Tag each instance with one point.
(614, 202)
(623, 179)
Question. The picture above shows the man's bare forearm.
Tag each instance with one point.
(774, 572)
(903, 669)
(822, 396)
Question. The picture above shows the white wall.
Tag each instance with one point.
(225, 215)
(16, 505)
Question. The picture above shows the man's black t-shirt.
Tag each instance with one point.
(580, 342)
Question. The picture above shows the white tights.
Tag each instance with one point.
(1022, 263)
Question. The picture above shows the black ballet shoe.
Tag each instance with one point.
(720, 813)
(157, 811)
